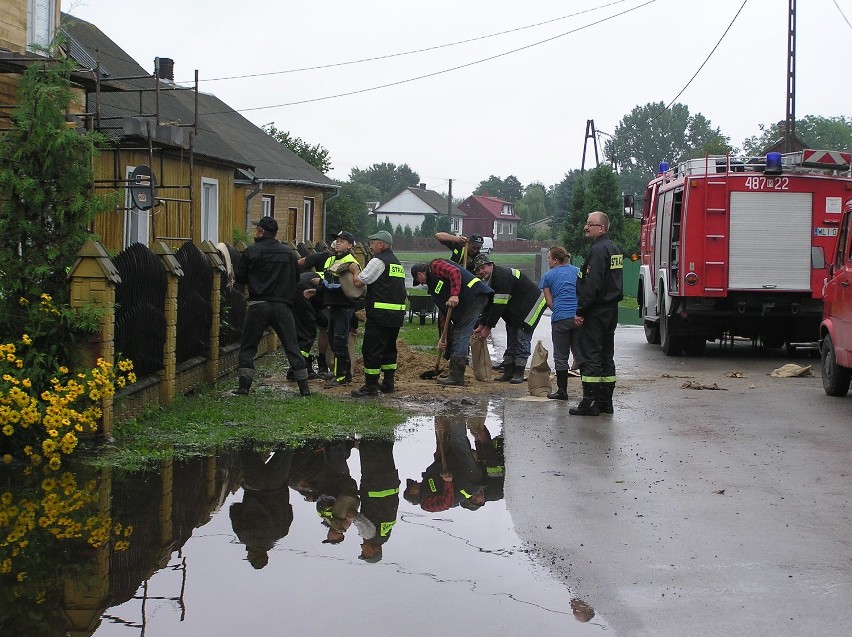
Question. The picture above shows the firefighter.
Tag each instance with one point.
(386, 293)
(519, 302)
(451, 286)
(599, 289)
(341, 308)
(456, 244)
(271, 272)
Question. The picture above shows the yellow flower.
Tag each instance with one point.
(8, 430)
(23, 301)
(7, 458)
(19, 363)
(63, 369)
(27, 383)
(26, 340)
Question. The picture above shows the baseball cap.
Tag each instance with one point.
(267, 223)
(481, 259)
(346, 236)
(382, 235)
(475, 239)
(416, 269)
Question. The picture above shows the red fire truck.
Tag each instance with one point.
(835, 332)
(737, 248)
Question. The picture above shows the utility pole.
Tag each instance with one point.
(450, 205)
(790, 127)
(590, 134)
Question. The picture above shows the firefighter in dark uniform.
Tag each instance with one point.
(599, 289)
(341, 308)
(386, 293)
(379, 494)
(270, 269)
(456, 244)
(520, 303)
(451, 286)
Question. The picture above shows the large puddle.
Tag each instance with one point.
(238, 544)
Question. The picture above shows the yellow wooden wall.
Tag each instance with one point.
(13, 25)
(172, 219)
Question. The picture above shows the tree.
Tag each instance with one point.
(46, 188)
(560, 196)
(348, 211)
(387, 179)
(428, 227)
(651, 134)
(509, 189)
(829, 133)
(315, 155)
(599, 190)
(530, 208)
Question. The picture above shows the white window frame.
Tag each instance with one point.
(41, 24)
(307, 218)
(209, 209)
(137, 223)
(511, 228)
(267, 206)
(455, 225)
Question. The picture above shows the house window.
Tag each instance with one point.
(507, 210)
(494, 230)
(456, 225)
(308, 219)
(137, 223)
(267, 206)
(209, 210)
(511, 228)
(41, 24)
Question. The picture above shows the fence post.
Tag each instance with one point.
(211, 372)
(93, 281)
(168, 377)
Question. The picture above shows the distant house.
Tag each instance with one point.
(410, 207)
(490, 217)
(215, 171)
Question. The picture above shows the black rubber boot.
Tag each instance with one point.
(518, 376)
(605, 397)
(561, 392)
(369, 389)
(322, 367)
(342, 372)
(386, 386)
(508, 373)
(456, 375)
(304, 388)
(589, 405)
(243, 387)
(309, 361)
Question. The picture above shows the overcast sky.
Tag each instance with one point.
(521, 112)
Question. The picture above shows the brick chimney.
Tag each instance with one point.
(422, 186)
(164, 69)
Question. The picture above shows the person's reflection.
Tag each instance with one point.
(454, 477)
(379, 495)
(582, 611)
(335, 489)
(265, 514)
(489, 455)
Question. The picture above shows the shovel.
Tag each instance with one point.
(431, 374)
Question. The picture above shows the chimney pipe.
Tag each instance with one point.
(164, 69)
(422, 186)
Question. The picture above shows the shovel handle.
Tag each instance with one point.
(444, 333)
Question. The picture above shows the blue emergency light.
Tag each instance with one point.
(773, 164)
(664, 167)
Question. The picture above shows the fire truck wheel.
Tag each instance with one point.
(652, 332)
(835, 379)
(672, 345)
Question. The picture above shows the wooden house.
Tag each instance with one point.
(214, 170)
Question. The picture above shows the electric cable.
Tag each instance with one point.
(843, 14)
(436, 73)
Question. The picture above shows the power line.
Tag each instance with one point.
(707, 59)
(441, 72)
(843, 14)
(424, 50)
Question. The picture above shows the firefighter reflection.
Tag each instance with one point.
(454, 478)
(379, 495)
(489, 455)
(265, 514)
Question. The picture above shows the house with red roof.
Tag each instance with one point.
(490, 217)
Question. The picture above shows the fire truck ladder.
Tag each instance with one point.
(716, 225)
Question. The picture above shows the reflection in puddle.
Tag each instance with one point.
(275, 539)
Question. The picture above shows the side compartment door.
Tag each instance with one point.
(841, 307)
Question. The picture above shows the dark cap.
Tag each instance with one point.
(475, 239)
(347, 236)
(480, 259)
(267, 223)
(383, 236)
(416, 269)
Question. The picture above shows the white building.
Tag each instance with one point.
(410, 207)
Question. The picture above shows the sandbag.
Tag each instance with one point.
(347, 282)
(538, 380)
(480, 358)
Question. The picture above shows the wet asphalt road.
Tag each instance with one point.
(693, 512)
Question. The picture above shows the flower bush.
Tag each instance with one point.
(44, 407)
